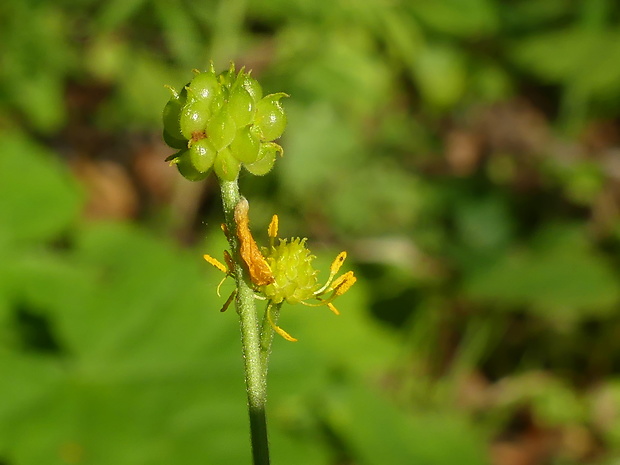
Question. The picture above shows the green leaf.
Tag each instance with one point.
(38, 197)
(151, 371)
(142, 300)
(559, 277)
(27, 380)
(378, 433)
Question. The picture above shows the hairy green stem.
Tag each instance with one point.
(255, 380)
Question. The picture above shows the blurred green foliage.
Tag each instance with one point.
(465, 153)
(114, 350)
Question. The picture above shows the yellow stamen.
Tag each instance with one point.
(337, 263)
(229, 261)
(332, 308)
(344, 283)
(217, 291)
(333, 269)
(341, 285)
(216, 263)
(273, 227)
(321, 302)
(229, 301)
(277, 329)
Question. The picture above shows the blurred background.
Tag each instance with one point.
(466, 153)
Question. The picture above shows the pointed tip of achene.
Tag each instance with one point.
(172, 90)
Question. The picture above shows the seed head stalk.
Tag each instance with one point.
(255, 372)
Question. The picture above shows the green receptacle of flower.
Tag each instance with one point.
(221, 123)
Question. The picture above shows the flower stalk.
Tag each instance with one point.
(253, 357)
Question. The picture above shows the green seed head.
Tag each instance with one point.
(226, 123)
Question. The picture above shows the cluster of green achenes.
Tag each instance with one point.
(295, 279)
(221, 122)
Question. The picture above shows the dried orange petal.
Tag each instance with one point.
(260, 273)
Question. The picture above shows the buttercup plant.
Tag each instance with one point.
(222, 123)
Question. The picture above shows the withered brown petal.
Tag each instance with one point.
(260, 273)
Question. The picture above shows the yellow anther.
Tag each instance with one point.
(344, 283)
(273, 227)
(337, 263)
(216, 263)
(333, 269)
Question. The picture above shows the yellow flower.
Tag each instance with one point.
(283, 272)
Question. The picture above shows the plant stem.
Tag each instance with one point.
(255, 381)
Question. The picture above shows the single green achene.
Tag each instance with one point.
(222, 123)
